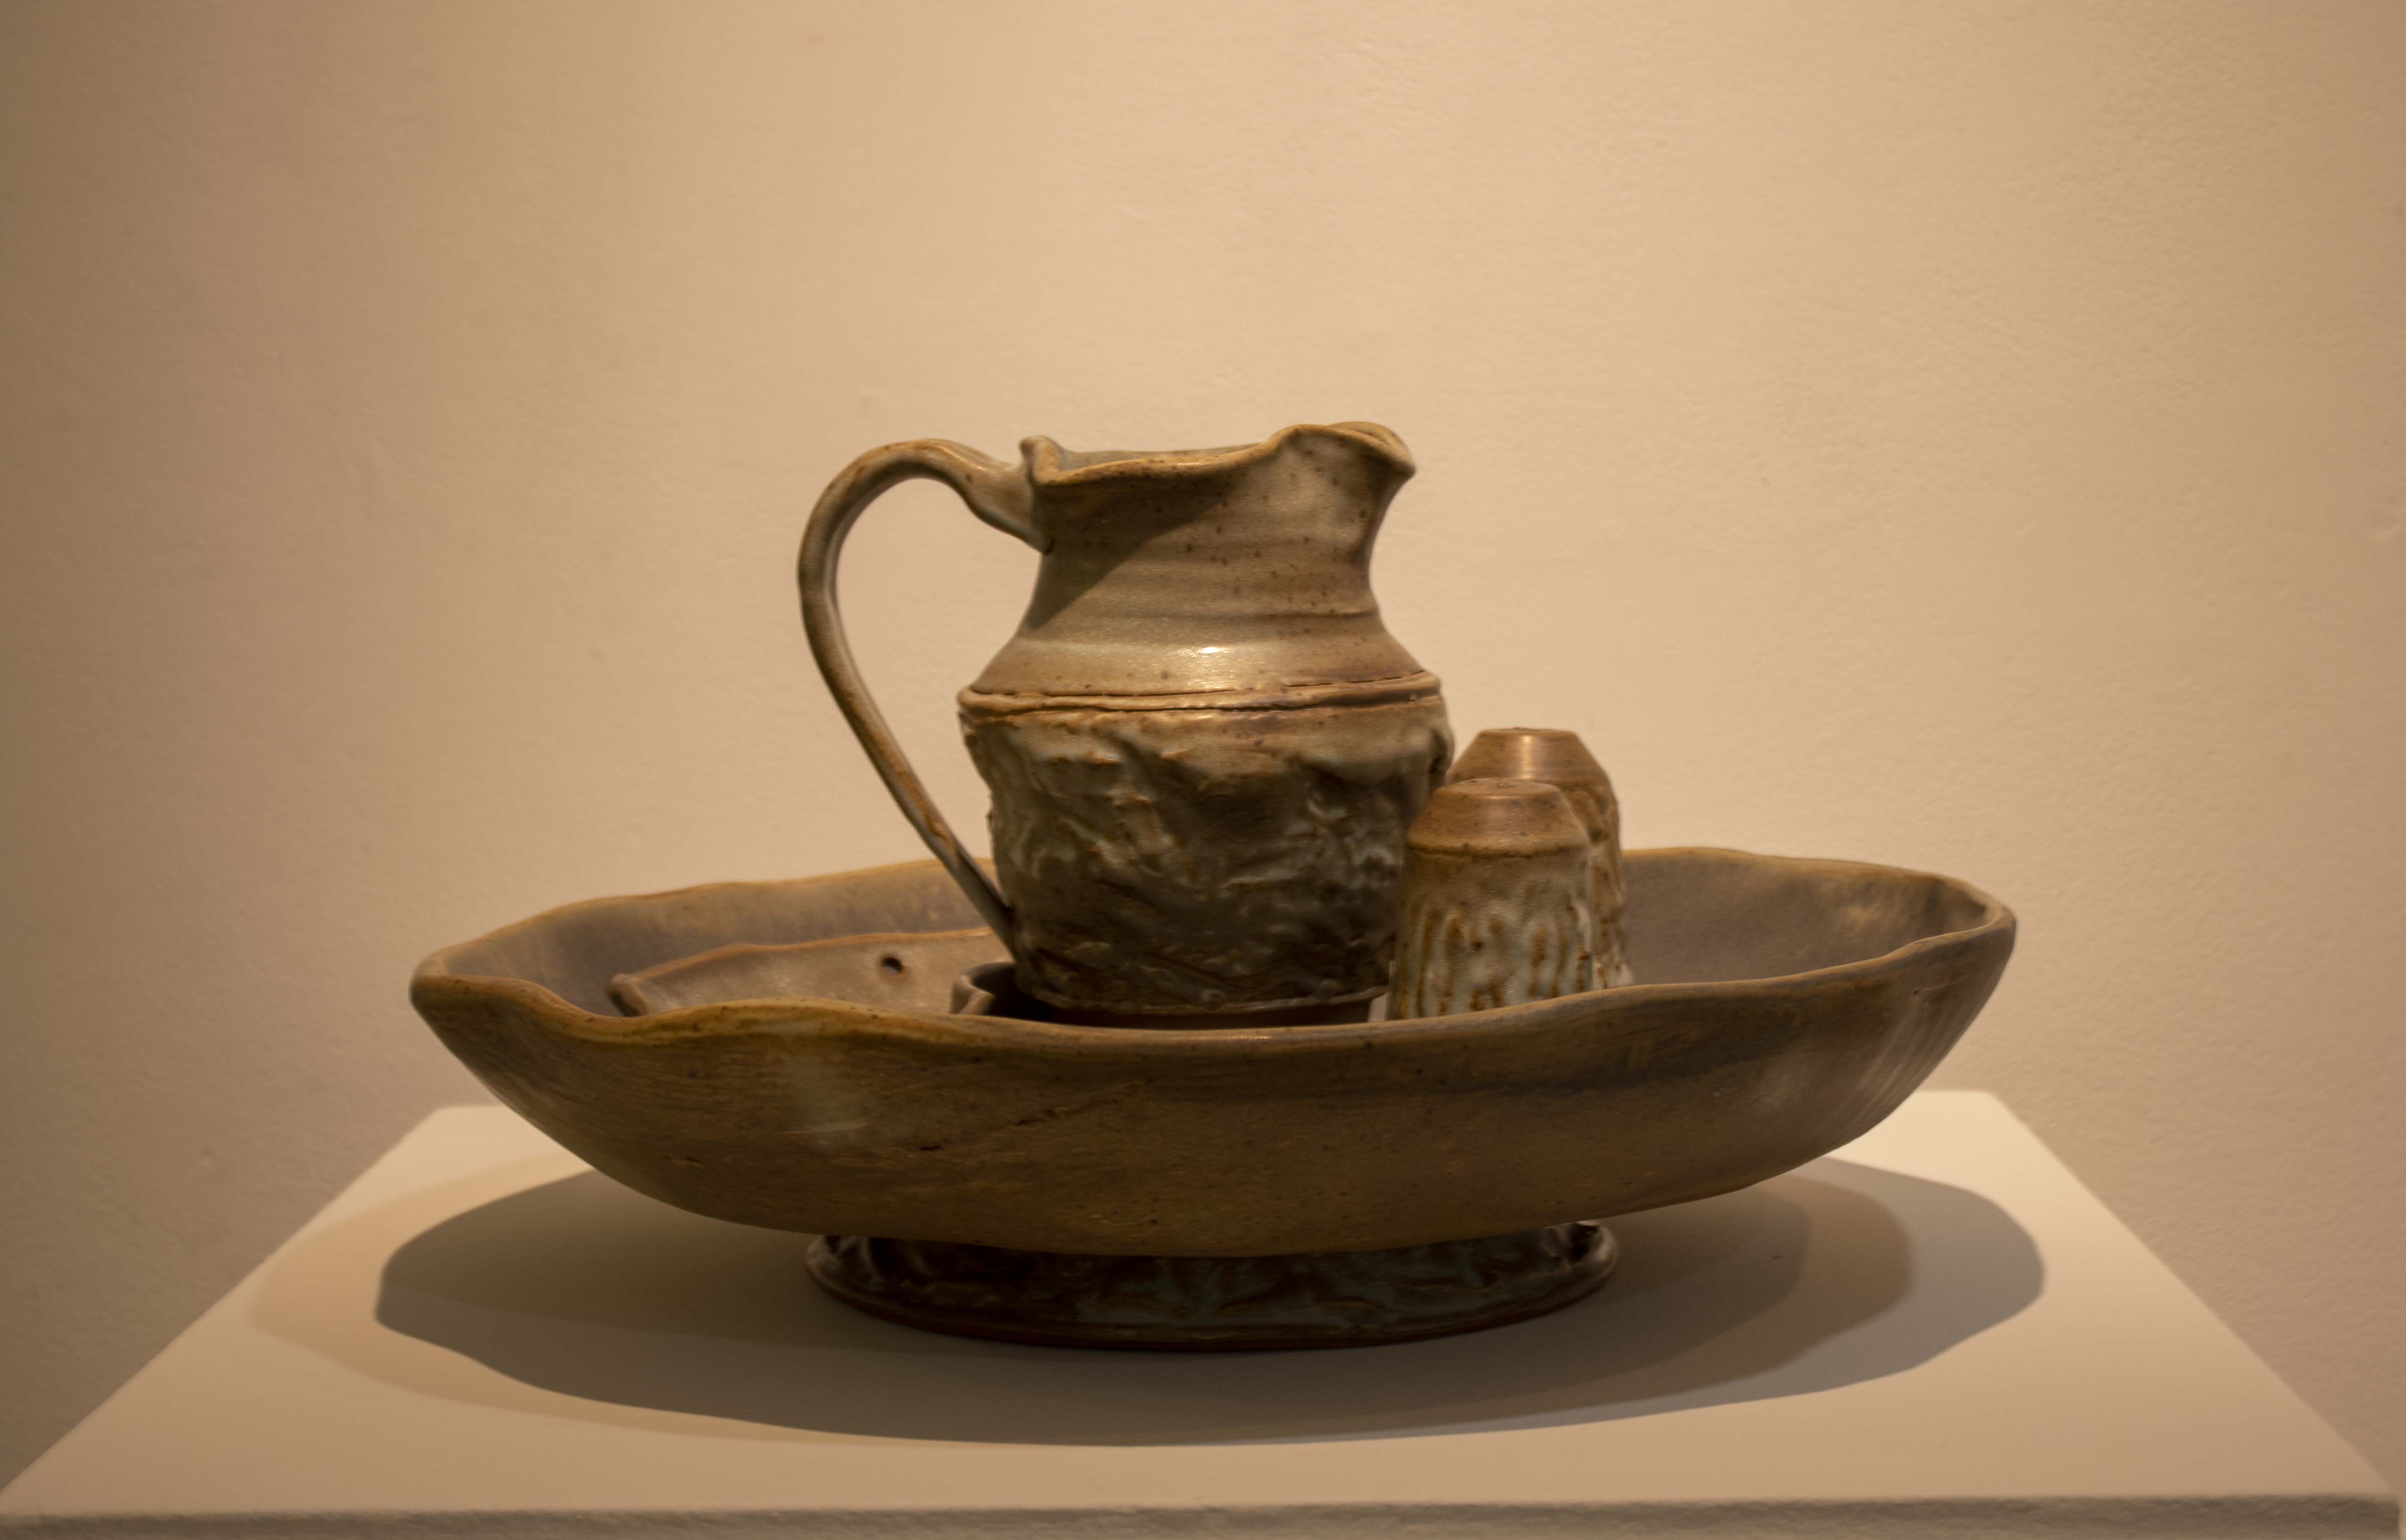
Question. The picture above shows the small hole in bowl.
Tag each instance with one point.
(890, 966)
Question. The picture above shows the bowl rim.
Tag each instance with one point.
(778, 1016)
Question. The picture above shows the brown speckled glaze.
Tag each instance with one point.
(1789, 1006)
(1192, 861)
(1203, 746)
(1557, 758)
(1317, 1299)
(902, 972)
(1497, 888)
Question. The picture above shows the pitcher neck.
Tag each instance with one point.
(1231, 569)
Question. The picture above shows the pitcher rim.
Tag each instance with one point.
(1047, 459)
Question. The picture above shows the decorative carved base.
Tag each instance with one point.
(1321, 1299)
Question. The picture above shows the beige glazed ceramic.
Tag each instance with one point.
(1789, 1006)
(912, 971)
(1559, 758)
(1498, 893)
(1202, 745)
(1169, 1118)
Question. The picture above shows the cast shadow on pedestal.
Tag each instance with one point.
(1831, 1275)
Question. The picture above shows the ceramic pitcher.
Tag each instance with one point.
(1204, 748)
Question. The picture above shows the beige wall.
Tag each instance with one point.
(1971, 436)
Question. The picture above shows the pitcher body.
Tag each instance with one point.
(1203, 746)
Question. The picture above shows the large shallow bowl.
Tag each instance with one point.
(1785, 1005)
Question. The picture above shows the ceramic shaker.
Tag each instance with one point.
(1557, 758)
(1497, 901)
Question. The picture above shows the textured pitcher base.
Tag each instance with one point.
(1313, 1299)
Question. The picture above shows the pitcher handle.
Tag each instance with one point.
(996, 492)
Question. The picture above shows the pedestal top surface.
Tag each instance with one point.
(1937, 1327)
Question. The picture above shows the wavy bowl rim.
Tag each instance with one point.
(778, 1016)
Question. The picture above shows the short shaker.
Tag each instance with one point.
(1556, 756)
(1497, 901)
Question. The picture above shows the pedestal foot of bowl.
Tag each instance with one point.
(1315, 1299)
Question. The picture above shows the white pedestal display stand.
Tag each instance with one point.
(1935, 1331)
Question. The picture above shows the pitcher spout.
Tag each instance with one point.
(1050, 466)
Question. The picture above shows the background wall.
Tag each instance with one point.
(1967, 436)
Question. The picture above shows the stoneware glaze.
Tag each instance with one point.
(1202, 745)
(1322, 1299)
(1789, 1006)
(1557, 758)
(910, 973)
(1498, 889)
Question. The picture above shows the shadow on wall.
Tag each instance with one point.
(583, 1299)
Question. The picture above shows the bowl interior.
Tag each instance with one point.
(898, 970)
(1714, 916)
